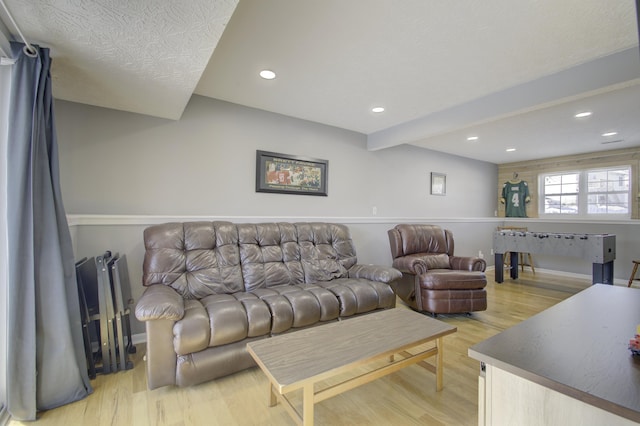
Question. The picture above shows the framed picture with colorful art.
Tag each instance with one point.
(290, 174)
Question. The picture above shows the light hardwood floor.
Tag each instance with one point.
(407, 397)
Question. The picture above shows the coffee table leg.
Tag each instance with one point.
(439, 366)
(273, 399)
(307, 405)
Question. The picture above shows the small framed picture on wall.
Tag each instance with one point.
(438, 183)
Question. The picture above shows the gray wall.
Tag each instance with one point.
(121, 172)
(204, 164)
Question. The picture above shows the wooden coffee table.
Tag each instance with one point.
(301, 359)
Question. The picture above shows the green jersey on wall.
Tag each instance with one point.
(515, 196)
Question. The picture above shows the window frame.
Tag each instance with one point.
(582, 202)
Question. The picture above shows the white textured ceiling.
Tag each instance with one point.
(139, 56)
(512, 73)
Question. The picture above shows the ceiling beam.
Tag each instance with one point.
(553, 89)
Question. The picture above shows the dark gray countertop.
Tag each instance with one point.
(578, 347)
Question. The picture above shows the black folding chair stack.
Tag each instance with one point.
(105, 299)
(123, 300)
(87, 279)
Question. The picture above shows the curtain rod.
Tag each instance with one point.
(29, 49)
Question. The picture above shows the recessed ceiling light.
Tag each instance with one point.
(609, 134)
(472, 138)
(510, 149)
(583, 114)
(377, 109)
(267, 74)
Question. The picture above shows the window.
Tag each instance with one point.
(587, 193)
(561, 193)
(608, 191)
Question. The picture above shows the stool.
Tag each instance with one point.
(633, 273)
(507, 257)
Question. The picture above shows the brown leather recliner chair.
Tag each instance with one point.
(433, 279)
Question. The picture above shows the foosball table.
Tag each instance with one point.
(599, 249)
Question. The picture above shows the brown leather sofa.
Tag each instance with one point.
(433, 279)
(214, 286)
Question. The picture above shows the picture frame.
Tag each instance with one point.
(438, 183)
(291, 174)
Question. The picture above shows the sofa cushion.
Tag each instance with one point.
(269, 255)
(447, 279)
(258, 315)
(357, 296)
(196, 259)
(298, 306)
(437, 261)
(422, 238)
(326, 251)
(220, 319)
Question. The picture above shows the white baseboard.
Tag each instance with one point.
(616, 281)
(139, 338)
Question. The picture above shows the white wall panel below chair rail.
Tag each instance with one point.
(93, 234)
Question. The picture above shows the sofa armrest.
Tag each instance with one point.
(160, 302)
(468, 263)
(383, 274)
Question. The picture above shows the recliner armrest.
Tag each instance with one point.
(411, 264)
(160, 302)
(468, 263)
(383, 274)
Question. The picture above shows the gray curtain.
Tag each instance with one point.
(46, 365)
